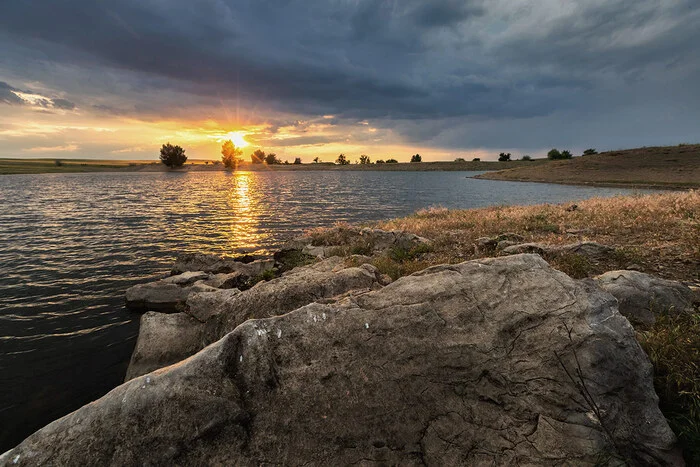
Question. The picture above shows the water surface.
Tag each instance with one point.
(70, 244)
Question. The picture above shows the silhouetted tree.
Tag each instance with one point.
(316, 160)
(504, 157)
(526, 158)
(172, 156)
(590, 152)
(297, 161)
(271, 159)
(566, 154)
(379, 161)
(364, 159)
(476, 159)
(258, 156)
(460, 159)
(554, 154)
(392, 161)
(230, 154)
(342, 160)
(416, 158)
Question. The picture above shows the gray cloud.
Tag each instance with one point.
(7, 96)
(430, 71)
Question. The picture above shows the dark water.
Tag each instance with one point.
(70, 244)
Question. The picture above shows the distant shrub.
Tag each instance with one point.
(342, 160)
(526, 158)
(379, 161)
(297, 160)
(258, 156)
(392, 161)
(316, 160)
(476, 159)
(589, 152)
(230, 154)
(58, 163)
(504, 157)
(271, 159)
(460, 159)
(554, 154)
(172, 156)
(416, 158)
(364, 159)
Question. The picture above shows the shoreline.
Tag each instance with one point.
(632, 185)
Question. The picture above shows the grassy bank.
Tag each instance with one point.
(658, 234)
(658, 167)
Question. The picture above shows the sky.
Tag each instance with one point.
(315, 78)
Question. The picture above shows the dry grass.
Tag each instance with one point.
(671, 166)
(673, 345)
(660, 233)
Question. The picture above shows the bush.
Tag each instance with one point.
(230, 154)
(504, 157)
(476, 159)
(172, 156)
(271, 159)
(416, 158)
(392, 161)
(316, 160)
(342, 160)
(258, 156)
(526, 158)
(364, 159)
(460, 159)
(554, 154)
(589, 152)
(379, 161)
(58, 163)
(297, 161)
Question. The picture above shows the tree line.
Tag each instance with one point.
(174, 156)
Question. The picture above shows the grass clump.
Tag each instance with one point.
(673, 345)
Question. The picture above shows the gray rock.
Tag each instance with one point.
(163, 339)
(227, 281)
(375, 240)
(503, 244)
(166, 295)
(468, 364)
(162, 296)
(590, 250)
(222, 310)
(218, 264)
(189, 277)
(526, 248)
(642, 296)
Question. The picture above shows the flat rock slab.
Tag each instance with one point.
(470, 364)
(641, 296)
(591, 250)
(218, 312)
(166, 295)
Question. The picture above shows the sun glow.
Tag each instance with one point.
(237, 138)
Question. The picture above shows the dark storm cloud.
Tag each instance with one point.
(395, 61)
(8, 95)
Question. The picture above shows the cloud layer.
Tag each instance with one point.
(456, 76)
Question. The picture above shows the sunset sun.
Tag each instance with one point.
(237, 138)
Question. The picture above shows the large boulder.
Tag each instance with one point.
(501, 361)
(219, 312)
(641, 296)
(163, 340)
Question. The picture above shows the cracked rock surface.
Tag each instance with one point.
(500, 361)
(210, 315)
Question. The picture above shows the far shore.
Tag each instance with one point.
(671, 167)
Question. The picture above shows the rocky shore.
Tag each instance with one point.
(317, 356)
